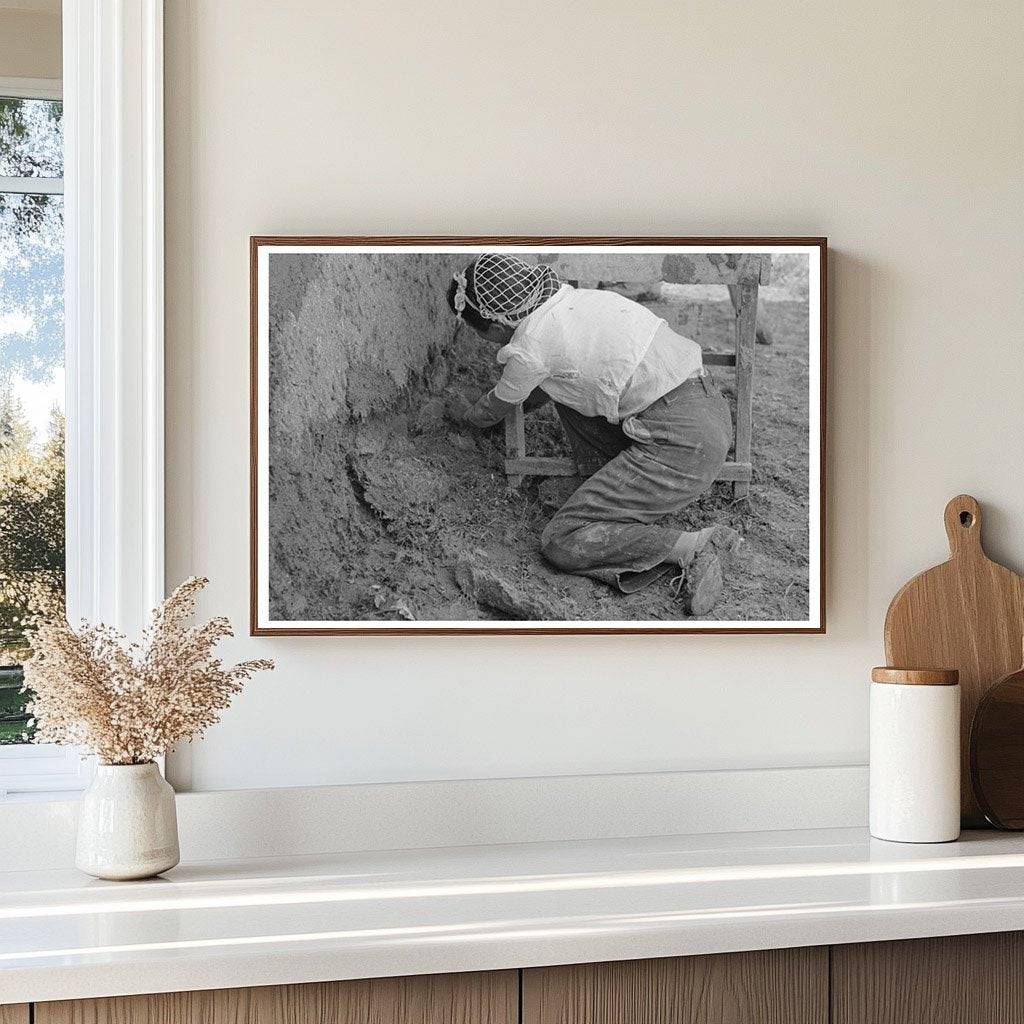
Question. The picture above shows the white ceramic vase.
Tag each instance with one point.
(127, 825)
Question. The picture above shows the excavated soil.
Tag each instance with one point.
(440, 536)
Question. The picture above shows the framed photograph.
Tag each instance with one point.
(537, 435)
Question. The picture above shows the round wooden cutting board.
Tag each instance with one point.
(997, 752)
(967, 614)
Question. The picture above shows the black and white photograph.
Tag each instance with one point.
(537, 435)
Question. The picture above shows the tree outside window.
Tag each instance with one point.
(31, 387)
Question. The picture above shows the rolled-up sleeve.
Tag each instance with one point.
(519, 378)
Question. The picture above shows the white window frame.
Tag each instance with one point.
(114, 325)
(32, 88)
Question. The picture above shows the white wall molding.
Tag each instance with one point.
(31, 88)
(44, 770)
(238, 824)
(113, 93)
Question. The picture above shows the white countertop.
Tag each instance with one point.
(261, 922)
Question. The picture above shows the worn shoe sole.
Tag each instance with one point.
(703, 579)
(702, 585)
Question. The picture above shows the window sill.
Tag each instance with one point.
(43, 771)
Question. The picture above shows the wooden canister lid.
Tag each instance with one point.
(916, 676)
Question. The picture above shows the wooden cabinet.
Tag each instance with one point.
(491, 998)
(777, 986)
(970, 979)
(962, 979)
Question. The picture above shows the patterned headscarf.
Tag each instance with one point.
(507, 289)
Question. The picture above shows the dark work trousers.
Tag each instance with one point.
(651, 465)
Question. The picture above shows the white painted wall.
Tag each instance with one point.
(895, 129)
(30, 39)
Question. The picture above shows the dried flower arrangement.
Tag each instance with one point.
(130, 703)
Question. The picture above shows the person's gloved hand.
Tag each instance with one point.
(457, 405)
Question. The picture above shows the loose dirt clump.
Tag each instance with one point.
(490, 589)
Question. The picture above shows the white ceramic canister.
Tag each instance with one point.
(915, 755)
(127, 825)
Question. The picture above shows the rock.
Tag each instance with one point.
(389, 603)
(401, 608)
(488, 588)
(764, 335)
(430, 417)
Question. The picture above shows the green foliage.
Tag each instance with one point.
(30, 137)
(32, 506)
(14, 727)
(31, 546)
(30, 147)
(31, 475)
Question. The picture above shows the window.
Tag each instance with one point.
(32, 513)
(102, 190)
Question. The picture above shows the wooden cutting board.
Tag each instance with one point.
(997, 752)
(967, 614)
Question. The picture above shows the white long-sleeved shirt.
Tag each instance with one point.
(596, 352)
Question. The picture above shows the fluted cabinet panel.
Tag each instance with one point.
(776, 986)
(960, 979)
(490, 998)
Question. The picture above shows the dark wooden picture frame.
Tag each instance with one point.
(742, 291)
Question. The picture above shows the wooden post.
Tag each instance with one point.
(515, 442)
(744, 300)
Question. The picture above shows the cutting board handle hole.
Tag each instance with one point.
(962, 518)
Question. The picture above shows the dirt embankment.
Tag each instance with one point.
(353, 339)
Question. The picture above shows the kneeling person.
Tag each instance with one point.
(649, 429)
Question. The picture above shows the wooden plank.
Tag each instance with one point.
(746, 331)
(719, 359)
(14, 1013)
(712, 268)
(537, 465)
(736, 471)
(780, 986)
(962, 979)
(515, 441)
(480, 998)
(540, 466)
